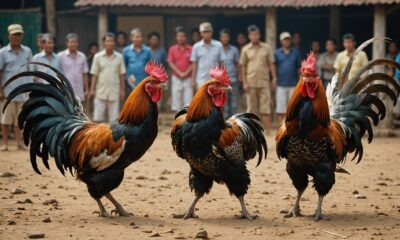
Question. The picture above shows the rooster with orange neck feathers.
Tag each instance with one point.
(54, 124)
(320, 129)
(217, 150)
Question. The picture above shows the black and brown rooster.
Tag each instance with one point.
(217, 150)
(54, 125)
(321, 128)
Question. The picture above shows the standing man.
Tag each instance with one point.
(136, 56)
(206, 53)
(231, 63)
(13, 60)
(258, 62)
(326, 61)
(158, 53)
(288, 62)
(121, 41)
(47, 56)
(108, 81)
(349, 44)
(241, 41)
(179, 62)
(297, 45)
(75, 67)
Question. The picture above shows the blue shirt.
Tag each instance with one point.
(54, 61)
(159, 55)
(206, 57)
(287, 67)
(12, 64)
(397, 72)
(231, 61)
(135, 63)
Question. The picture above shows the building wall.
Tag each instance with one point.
(146, 23)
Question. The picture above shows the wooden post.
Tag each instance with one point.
(51, 16)
(378, 51)
(270, 27)
(334, 22)
(102, 24)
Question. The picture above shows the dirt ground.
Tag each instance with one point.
(157, 186)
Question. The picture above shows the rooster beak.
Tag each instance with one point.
(228, 88)
(163, 85)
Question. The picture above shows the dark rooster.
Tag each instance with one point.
(320, 129)
(217, 150)
(54, 125)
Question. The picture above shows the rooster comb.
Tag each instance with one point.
(156, 70)
(309, 65)
(220, 73)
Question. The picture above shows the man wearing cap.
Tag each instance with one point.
(13, 58)
(206, 54)
(288, 61)
(257, 63)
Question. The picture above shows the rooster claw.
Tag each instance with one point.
(247, 216)
(185, 216)
(293, 214)
(319, 216)
(119, 212)
(102, 214)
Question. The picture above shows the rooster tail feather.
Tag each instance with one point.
(359, 102)
(254, 135)
(47, 116)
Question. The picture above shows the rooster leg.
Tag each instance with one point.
(102, 212)
(190, 211)
(118, 207)
(318, 213)
(296, 208)
(245, 214)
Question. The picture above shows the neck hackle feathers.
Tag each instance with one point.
(157, 71)
(220, 73)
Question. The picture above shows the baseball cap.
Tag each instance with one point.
(206, 27)
(15, 28)
(284, 35)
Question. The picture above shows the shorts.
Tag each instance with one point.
(99, 110)
(10, 115)
(259, 100)
(283, 95)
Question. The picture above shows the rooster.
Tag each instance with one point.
(54, 125)
(217, 150)
(321, 128)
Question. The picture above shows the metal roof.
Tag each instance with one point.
(230, 3)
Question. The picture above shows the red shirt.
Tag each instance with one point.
(180, 58)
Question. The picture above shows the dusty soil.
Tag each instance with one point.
(157, 186)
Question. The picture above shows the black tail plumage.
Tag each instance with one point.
(359, 100)
(254, 136)
(49, 118)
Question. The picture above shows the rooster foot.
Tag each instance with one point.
(246, 215)
(319, 216)
(120, 212)
(102, 214)
(294, 213)
(186, 215)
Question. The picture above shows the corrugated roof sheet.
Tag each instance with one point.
(229, 3)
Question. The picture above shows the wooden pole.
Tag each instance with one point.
(102, 24)
(378, 51)
(334, 22)
(270, 27)
(51, 16)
